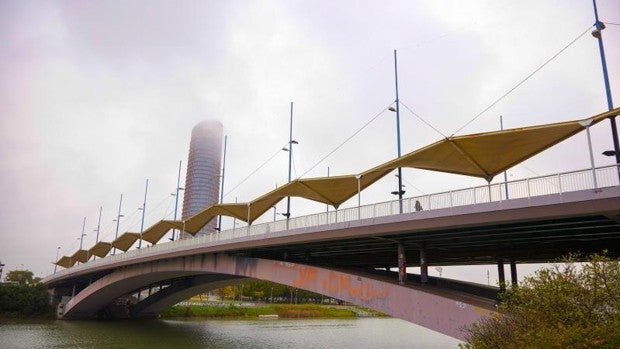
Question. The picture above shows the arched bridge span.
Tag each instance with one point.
(438, 309)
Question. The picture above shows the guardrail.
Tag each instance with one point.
(518, 189)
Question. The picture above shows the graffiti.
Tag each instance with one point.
(331, 282)
(306, 276)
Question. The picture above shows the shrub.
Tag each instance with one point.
(565, 306)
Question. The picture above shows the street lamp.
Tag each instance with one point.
(400, 191)
(290, 159)
(610, 104)
(219, 219)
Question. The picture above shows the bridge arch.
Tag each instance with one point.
(431, 308)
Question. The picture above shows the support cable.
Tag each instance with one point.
(345, 141)
(256, 170)
(524, 80)
(421, 119)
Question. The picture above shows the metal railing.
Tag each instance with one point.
(518, 189)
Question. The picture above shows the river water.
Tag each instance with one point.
(322, 333)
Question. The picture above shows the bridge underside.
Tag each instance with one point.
(534, 230)
(528, 242)
(437, 308)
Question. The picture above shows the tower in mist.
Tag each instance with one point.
(202, 181)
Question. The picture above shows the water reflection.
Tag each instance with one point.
(188, 334)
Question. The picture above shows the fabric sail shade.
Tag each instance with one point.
(482, 155)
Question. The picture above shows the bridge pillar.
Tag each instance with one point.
(500, 274)
(513, 272)
(402, 264)
(423, 266)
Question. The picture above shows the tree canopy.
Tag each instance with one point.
(569, 305)
(21, 277)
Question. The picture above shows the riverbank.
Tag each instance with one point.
(254, 311)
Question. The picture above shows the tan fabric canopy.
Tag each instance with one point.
(155, 232)
(125, 241)
(66, 262)
(481, 155)
(328, 190)
(81, 256)
(101, 249)
(487, 154)
(202, 218)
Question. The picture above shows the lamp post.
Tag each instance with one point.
(98, 224)
(597, 33)
(359, 195)
(501, 126)
(83, 234)
(118, 220)
(235, 218)
(327, 205)
(56, 260)
(290, 160)
(176, 199)
(400, 191)
(143, 210)
(98, 228)
(219, 220)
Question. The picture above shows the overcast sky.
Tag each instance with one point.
(98, 96)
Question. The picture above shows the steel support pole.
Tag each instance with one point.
(359, 196)
(501, 126)
(249, 221)
(176, 200)
(98, 228)
(402, 264)
(400, 171)
(327, 205)
(82, 235)
(290, 160)
(146, 189)
(118, 220)
(592, 165)
(98, 224)
(219, 221)
(55, 265)
(598, 34)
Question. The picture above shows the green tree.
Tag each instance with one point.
(23, 299)
(20, 276)
(569, 305)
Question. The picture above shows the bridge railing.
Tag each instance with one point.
(518, 189)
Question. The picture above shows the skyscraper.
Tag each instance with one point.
(202, 181)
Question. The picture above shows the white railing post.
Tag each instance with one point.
(527, 183)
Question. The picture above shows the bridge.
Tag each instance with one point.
(348, 253)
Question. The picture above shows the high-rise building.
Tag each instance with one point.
(202, 181)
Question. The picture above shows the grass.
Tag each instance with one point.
(282, 310)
